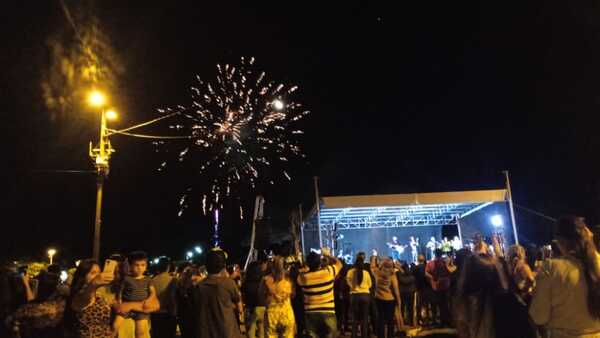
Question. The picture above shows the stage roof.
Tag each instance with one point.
(396, 210)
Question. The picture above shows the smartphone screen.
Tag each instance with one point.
(109, 266)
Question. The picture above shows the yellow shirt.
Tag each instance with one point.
(363, 287)
(317, 287)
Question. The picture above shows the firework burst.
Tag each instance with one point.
(243, 130)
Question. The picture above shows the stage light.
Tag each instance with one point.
(497, 220)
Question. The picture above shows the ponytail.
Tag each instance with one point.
(579, 240)
(359, 266)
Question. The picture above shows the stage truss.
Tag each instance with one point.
(395, 216)
(399, 210)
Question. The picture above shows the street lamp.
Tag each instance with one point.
(189, 255)
(97, 98)
(111, 115)
(51, 253)
(101, 157)
(198, 250)
(101, 154)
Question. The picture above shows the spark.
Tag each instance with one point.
(244, 130)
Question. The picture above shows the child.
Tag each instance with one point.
(136, 287)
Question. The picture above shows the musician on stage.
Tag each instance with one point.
(397, 249)
(432, 245)
(446, 246)
(414, 249)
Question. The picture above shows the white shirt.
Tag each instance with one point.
(560, 300)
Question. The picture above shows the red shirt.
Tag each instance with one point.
(438, 269)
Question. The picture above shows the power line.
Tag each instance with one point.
(536, 213)
(61, 171)
(123, 131)
(156, 137)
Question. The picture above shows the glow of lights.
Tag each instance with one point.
(64, 276)
(96, 98)
(278, 104)
(51, 252)
(111, 114)
(156, 260)
(497, 220)
(189, 254)
(77, 262)
(198, 249)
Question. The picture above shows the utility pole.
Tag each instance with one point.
(101, 155)
(510, 206)
(101, 158)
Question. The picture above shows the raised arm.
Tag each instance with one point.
(28, 292)
(87, 294)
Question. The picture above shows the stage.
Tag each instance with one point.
(370, 222)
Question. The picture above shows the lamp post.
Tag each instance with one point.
(101, 154)
(101, 157)
(51, 253)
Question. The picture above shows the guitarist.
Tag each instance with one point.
(397, 249)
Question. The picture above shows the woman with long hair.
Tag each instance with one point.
(279, 290)
(87, 314)
(566, 300)
(387, 297)
(520, 272)
(359, 283)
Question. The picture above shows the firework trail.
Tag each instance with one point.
(243, 131)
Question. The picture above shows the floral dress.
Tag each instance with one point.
(94, 320)
(280, 316)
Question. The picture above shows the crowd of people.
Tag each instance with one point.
(484, 292)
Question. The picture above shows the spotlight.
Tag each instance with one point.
(497, 220)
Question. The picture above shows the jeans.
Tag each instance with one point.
(441, 306)
(255, 322)
(408, 299)
(321, 324)
(360, 314)
(385, 311)
(163, 325)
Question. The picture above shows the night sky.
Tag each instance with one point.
(408, 97)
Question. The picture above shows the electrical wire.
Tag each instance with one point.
(156, 137)
(537, 213)
(122, 131)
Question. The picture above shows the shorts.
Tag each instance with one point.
(137, 315)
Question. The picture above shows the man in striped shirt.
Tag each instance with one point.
(317, 287)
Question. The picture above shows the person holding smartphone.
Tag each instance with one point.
(87, 314)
